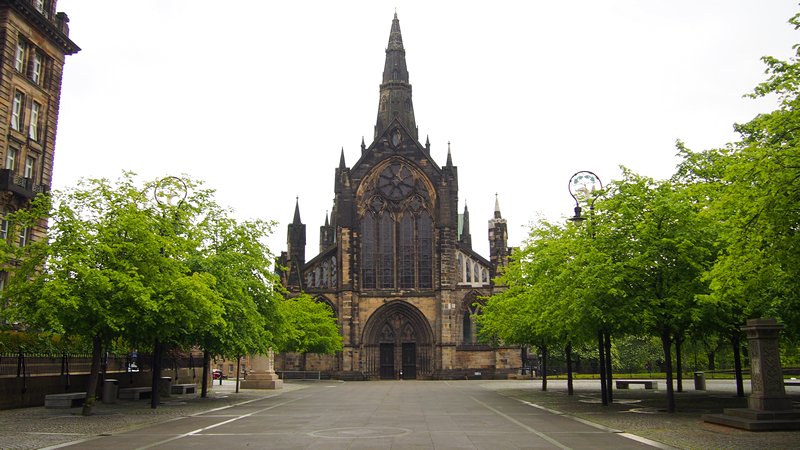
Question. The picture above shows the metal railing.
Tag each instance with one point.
(35, 364)
(299, 374)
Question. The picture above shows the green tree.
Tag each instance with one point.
(310, 327)
(249, 292)
(115, 266)
(665, 247)
(757, 272)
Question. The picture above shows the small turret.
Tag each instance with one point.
(326, 235)
(465, 238)
(498, 240)
(296, 237)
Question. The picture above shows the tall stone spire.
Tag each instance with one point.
(395, 91)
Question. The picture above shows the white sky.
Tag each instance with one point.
(258, 98)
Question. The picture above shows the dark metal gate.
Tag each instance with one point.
(409, 360)
(387, 361)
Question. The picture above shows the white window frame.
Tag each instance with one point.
(19, 57)
(33, 127)
(16, 110)
(23, 236)
(11, 158)
(36, 69)
(30, 167)
(3, 227)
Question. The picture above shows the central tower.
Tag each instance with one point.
(395, 96)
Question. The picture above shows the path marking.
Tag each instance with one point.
(522, 425)
(224, 422)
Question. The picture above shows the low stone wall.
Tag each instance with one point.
(16, 392)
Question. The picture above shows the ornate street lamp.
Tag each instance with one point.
(169, 192)
(584, 187)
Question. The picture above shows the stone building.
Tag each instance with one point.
(35, 41)
(395, 259)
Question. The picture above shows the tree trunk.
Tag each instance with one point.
(737, 362)
(667, 344)
(94, 374)
(568, 351)
(238, 370)
(154, 395)
(679, 362)
(544, 368)
(602, 367)
(206, 366)
(609, 368)
(711, 363)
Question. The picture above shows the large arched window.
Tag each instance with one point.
(396, 230)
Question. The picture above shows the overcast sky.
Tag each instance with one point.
(258, 98)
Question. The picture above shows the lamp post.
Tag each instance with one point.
(584, 187)
(169, 192)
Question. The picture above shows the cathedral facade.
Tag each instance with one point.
(395, 259)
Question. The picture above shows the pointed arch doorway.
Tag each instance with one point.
(399, 343)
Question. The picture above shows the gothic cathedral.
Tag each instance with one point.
(395, 259)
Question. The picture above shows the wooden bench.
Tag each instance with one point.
(648, 384)
(67, 400)
(184, 389)
(791, 382)
(135, 393)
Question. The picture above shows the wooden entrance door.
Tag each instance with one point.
(387, 361)
(409, 360)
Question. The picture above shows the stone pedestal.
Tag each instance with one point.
(768, 406)
(262, 374)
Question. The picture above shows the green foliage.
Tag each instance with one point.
(309, 326)
(120, 264)
(250, 294)
(753, 189)
(636, 353)
(16, 341)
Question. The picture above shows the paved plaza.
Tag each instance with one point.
(394, 415)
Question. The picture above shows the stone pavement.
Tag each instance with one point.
(397, 414)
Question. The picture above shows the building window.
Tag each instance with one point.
(397, 232)
(11, 159)
(467, 328)
(30, 164)
(425, 251)
(33, 129)
(4, 227)
(368, 250)
(386, 245)
(16, 111)
(19, 57)
(406, 249)
(23, 236)
(36, 69)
